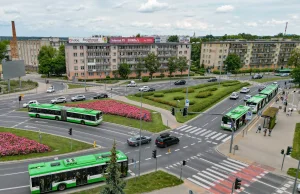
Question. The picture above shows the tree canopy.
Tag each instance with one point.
(232, 62)
(3, 49)
(295, 74)
(182, 64)
(139, 67)
(173, 38)
(124, 70)
(152, 64)
(294, 60)
(172, 65)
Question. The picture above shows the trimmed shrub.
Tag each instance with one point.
(230, 84)
(145, 79)
(204, 94)
(178, 97)
(174, 104)
(159, 95)
(202, 77)
(192, 102)
(144, 94)
(190, 90)
(107, 77)
(172, 90)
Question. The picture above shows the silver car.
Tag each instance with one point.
(78, 98)
(59, 100)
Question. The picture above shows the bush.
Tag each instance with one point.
(145, 79)
(204, 94)
(202, 77)
(178, 97)
(231, 84)
(190, 90)
(205, 85)
(174, 104)
(172, 90)
(144, 94)
(107, 77)
(218, 72)
(158, 95)
(192, 102)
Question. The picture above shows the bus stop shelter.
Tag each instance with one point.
(269, 116)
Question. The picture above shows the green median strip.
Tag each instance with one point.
(263, 80)
(146, 183)
(58, 145)
(296, 150)
(74, 86)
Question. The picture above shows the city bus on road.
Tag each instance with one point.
(59, 175)
(237, 115)
(279, 72)
(256, 102)
(270, 91)
(62, 113)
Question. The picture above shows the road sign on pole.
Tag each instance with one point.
(187, 102)
(249, 115)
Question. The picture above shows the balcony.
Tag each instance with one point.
(98, 50)
(102, 63)
(99, 57)
(134, 49)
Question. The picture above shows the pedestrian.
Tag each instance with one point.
(265, 131)
(270, 130)
(258, 128)
(291, 109)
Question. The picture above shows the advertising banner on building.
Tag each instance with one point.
(102, 39)
(184, 39)
(131, 40)
(161, 39)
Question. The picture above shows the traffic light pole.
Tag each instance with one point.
(297, 173)
(232, 188)
(156, 164)
(181, 171)
(282, 161)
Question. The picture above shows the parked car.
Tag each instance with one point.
(247, 97)
(275, 83)
(245, 90)
(59, 100)
(234, 95)
(78, 98)
(132, 84)
(144, 88)
(257, 76)
(180, 82)
(261, 87)
(100, 95)
(165, 140)
(213, 79)
(25, 105)
(50, 89)
(135, 140)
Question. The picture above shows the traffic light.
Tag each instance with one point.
(173, 111)
(183, 163)
(289, 150)
(282, 151)
(184, 112)
(237, 184)
(20, 98)
(154, 154)
(70, 131)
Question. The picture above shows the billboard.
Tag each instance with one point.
(13, 69)
(161, 39)
(184, 39)
(102, 39)
(131, 40)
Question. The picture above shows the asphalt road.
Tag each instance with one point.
(204, 165)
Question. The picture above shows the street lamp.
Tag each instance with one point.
(187, 84)
(140, 134)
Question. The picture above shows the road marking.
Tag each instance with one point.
(193, 144)
(214, 118)
(30, 127)
(185, 146)
(213, 137)
(214, 143)
(207, 177)
(205, 124)
(40, 122)
(127, 152)
(230, 166)
(181, 127)
(243, 164)
(234, 164)
(158, 156)
(211, 134)
(203, 180)
(218, 173)
(147, 147)
(198, 183)
(13, 173)
(226, 138)
(185, 128)
(196, 130)
(200, 131)
(199, 141)
(269, 185)
(11, 188)
(228, 108)
(219, 166)
(221, 137)
(191, 129)
(133, 163)
(210, 174)
(20, 123)
(176, 150)
(148, 159)
(205, 133)
(223, 112)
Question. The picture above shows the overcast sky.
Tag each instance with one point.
(129, 17)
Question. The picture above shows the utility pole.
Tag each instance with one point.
(140, 134)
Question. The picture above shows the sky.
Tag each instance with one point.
(69, 18)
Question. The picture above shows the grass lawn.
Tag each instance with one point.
(146, 183)
(263, 80)
(58, 145)
(14, 86)
(296, 143)
(74, 86)
(292, 172)
(111, 81)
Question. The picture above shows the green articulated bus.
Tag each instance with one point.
(278, 72)
(59, 175)
(237, 115)
(62, 113)
(270, 91)
(256, 102)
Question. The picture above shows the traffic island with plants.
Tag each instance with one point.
(18, 144)
(296, 151)
(201, 97)
(15, 86)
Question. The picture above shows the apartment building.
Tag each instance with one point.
(253, 54)
(96, 58)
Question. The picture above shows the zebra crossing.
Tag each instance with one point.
(200, 132)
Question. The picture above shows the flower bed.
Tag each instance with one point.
(116, 108)
(11, 145)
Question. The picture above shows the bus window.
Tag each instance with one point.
(97, 116)
(124, 168)
(32, 110)
(225, 120)
(35, 182)
(93, 118)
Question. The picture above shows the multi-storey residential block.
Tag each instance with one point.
(253, 54)
(95, 58)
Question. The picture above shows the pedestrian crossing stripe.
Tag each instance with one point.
(191, 129)
(185, 128)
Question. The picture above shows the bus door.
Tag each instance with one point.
(63, 114)
(81, 177)
(45, 184)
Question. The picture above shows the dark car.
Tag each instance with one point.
(135, 140)
(165, 140)
(102, 95)
(257, 76)
(180, 82)
(151, 90)
(261, 88)
(213, 79)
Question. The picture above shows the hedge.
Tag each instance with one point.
(172, 90)
(203, 77)
(145, 79)
(192, 102)
(158, 95)
(190, 90)
(174, 104)
(230, 84)
(178, 97)
(204, 94)
(144, 94)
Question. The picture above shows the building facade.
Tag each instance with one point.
(253, 54)
(91, 59)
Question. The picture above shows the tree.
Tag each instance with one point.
(152, 64)
(172, 65)
(46, 59)
(139, 68)
(294, 60)
(232, 62)
(173, 38)
(3, 49)
(124, 70)
(182, 64)
(138, 35)
(295, 74)
(115, 74)
(60, 61)
(114, 184)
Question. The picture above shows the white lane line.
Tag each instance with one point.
(212, 175)
(203, 180)
(148, 159)
(198, 183)
(181, 127)
(200, 131)
(218, 173)
(214, 143)
(226, 138)
(205, 133)
(20, 123)
(127, 152)
(211, 134)
(191, 129)
(185, 128)
(196, 130)
(205, 124)
(176, 150)
(193, 144)
(133, 163)
(228, 108)
(221, 137)
(158, 156)
(238, 162)
(213, 137)
(12, 188)
(185, 147)
(214, 118)
(223, 112)
(13, 173)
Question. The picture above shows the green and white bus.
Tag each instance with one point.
(279, 72)
(237, 115)
(270, 91)
(256, 102)
(59, 175)
(62, 113)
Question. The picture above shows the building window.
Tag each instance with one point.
(208, 61)
(180, 52)
(82, 74)
(75, 47)
(115, 53)
(75, 67)
(185, 52)
(114, 67)
(75, 54)
(91, 73)
(220, 56)
(81, 47)
(114, 47)
(225, 51)
(114, 60)
(75, 61)
(220, 51)
(81, 54)
(81, 61)
(82, 67)
(90, 60)
(76, 74)
(99, 73)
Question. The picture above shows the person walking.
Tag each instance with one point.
(258, 128)
(270, 130)
(291, 111)
(265, 131)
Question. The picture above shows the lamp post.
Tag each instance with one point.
(140, 134)
(220, 69)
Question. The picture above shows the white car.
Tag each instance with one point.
(25, 105)
(144, 88)
(298, 188)
(78, 98)
(131, 84)
(50, 90)
(234, 95)
(245, 90)
(59, 100)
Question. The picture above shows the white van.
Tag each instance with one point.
(131, 84)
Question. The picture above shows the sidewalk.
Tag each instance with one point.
(265, 150)
(167, 118)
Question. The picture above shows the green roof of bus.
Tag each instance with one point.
(83, 111)
(81, 161)
(46, 106)
(257, 98)
(269, 89)
(70, 109)
(238, 112)
(285, 69)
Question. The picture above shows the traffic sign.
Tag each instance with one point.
(187, 102)
(249, 115)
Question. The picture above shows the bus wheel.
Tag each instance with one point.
(37, 116)
(61, 187)
(82, 122)
(56, 118)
